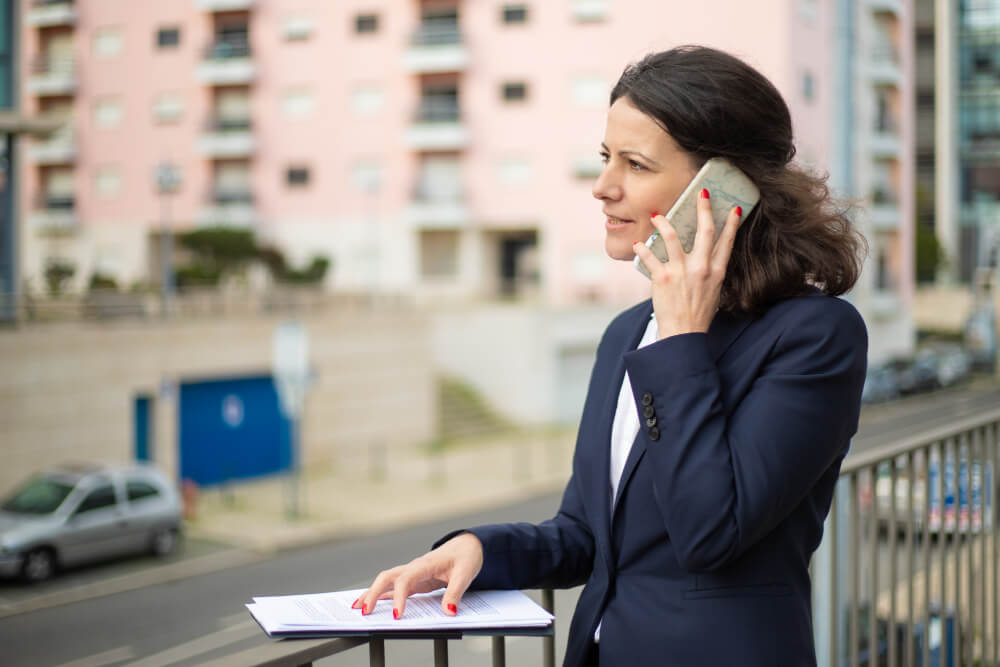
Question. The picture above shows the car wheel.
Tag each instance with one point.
(163, 542)
(38, 565)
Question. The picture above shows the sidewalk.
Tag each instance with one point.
(362, 494)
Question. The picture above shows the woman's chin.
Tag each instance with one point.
(622, 251)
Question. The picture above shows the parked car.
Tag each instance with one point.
(881, 384)
(915, 375)
(953, 363)
(76, 514)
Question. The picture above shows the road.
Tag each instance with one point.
(191, 620)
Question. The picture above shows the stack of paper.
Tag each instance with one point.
(331, 613)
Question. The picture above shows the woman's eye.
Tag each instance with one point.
(635, 166)
(605, 157)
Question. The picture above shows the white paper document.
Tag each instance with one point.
(331, 613)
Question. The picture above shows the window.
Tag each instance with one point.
(168, 108)
(297, 28)
(102, 496)
(297, 103)
(137, 489)
(107, 181)
(367, 100)
(516, 91)
(925, 38)
(438, 253)
(367, 176)
(107, 113)
(515, 14)
(107, 42)
(297, 176)
(366, 23)
(514, 172)
(168, 38)
(590, 10)
(925, 99)
(590, 92)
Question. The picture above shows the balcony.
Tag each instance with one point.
(229, 207)
(52, 76)
(590, 10)
(225, 5)
(883, 67)
(436, 47)
(60, 148)
(884, 210)
(46, 13)
(227, 138)
(884, 145)
(54, 214)
(227, 63)
(433, 208)
(437, 127)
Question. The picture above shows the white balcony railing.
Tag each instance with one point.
(225, 5)
(51, 75)
(227, 139)
(889, 6)
(883, 66)
(884, 216)
(46, 13)
(227, 63)
(444, 214)
(54, 214)
(57, 149)
(228, 208)
(885, 145)
(436, 47)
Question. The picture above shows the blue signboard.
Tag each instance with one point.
(231, 429)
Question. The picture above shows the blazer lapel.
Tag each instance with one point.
(602, 482)
(723, 331)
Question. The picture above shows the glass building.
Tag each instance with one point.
(979, 134)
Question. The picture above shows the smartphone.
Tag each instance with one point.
(727, 186)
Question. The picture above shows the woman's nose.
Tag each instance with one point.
(605, 186)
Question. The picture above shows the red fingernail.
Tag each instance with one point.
(637, 243)
(739, 211)
(654, 214)
(354, 605)
(395, 614)
(364, 610)
(452, 608)
(704, 193)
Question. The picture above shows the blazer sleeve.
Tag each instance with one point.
(557, 553)
(725, 476)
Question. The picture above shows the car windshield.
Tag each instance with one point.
(41, 495)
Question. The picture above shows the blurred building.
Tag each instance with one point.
(444, 149)
(958, 102)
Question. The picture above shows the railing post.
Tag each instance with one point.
(549, 642)
(873, 573)
(855, 571)
(499, 652)
(376, 652)
(440, 653)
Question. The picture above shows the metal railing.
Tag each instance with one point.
(928, 502)
(225, 49)
(438, 110)
(437, 33)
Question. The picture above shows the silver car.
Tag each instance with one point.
(77, 514)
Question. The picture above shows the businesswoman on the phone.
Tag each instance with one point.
(718, 411)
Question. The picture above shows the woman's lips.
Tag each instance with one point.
(611, 223)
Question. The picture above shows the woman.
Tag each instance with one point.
(718, 411)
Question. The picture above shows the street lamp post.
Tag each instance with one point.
(168, 181)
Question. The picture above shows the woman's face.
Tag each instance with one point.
(644, 173)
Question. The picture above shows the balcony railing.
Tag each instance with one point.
(437, 111)
(227, 196)
(52, 75)
(228, 48)
(54, 213)
(225, 5)
(227, 138)
(916, 525)
(45, 13)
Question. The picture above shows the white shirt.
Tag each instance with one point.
(625, 427)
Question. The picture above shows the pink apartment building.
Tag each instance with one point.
(443, 148)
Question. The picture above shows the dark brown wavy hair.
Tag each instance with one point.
(715, 105)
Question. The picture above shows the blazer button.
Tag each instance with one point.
(647, 398)
(651, 422)
(648, 411)
(654, 433)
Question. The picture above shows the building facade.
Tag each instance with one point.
(444, 149)
(958, 110)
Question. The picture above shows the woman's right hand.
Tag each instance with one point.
(454, 565)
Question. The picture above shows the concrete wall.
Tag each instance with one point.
(67, 390)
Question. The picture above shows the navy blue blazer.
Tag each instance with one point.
(704, 561)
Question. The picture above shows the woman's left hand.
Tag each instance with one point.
(686, 289)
